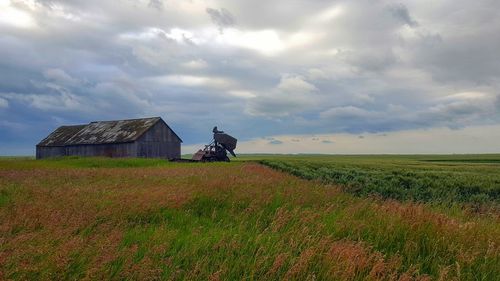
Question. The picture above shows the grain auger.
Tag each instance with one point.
(217, 149)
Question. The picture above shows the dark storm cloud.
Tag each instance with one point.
(400, 11)
(221, 17)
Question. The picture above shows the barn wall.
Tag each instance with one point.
(49, 151)
(159, 142)
(106, 150)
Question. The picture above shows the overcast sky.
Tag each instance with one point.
(357, 76)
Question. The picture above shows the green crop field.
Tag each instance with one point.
(470, 179)
(262, 217)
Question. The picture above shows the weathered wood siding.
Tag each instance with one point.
(50, 151)
(106, 150)
(159, 142)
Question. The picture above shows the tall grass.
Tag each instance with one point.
(228, 221)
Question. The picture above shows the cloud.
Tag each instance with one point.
(462, 109)
(314, 67)
(60, 76)
(222, 18)
(4, 103)
(275, 142)
(295, 83)
(316, 74)
(267, 41)
(57, 101)
(196, 64)
(150, 56)
(157, 4)
(12, 16)
(293, 94)
(400, 11)
(348, 112)
(190, 81)
(242, 94)
(370, 60)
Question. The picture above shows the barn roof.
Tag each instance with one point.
(61, 135)
(101, 132)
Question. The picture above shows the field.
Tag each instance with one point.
(264, 217)
(470, 179)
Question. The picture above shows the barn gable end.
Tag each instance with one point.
(159, 142)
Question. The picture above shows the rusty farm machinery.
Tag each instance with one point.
(217, 150)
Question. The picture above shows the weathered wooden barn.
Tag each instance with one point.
(146, 137)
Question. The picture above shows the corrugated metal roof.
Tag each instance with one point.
(100, 132)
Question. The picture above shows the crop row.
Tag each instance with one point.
(400, 183)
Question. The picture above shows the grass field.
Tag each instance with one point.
(342, 218)
(470, 179)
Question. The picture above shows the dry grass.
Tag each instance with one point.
(225, 221)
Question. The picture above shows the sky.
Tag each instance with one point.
(283, 76)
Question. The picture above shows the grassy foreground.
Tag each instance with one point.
(141, 219)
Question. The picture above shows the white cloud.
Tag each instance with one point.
(190, 81)
(196, 64)
(4, 103)
(463, 109)
(150, 55)
(293, 94)
(242, 94)
(266, 42)
(59, 102)
(9, 15)
(316, 74)
(60, 76)
(295, 83)
(178, 35)
(328, 14)
(349, 112)
(468, 96)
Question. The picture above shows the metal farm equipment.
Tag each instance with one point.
(217, 149)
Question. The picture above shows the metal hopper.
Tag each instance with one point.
(218, 148)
